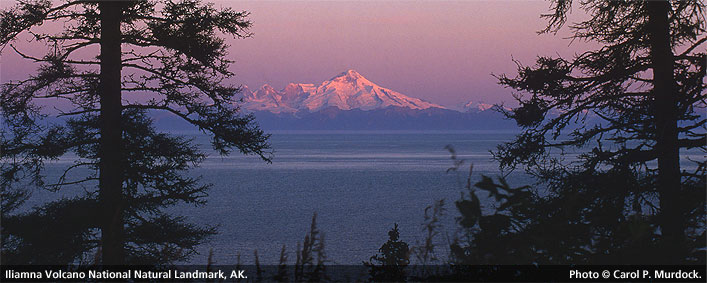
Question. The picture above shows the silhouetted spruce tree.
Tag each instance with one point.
(629, 107)
(154, 56)
(394, 256)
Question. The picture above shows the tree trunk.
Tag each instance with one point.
(671, 218)
(111, 145)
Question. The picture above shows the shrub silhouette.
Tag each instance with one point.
(393, 257)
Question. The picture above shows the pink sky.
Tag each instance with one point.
(443, 52)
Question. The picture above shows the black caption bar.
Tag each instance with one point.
(348, 273)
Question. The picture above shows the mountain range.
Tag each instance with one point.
(349, 101)
(346, 91)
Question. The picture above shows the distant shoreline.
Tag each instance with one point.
(367, 132)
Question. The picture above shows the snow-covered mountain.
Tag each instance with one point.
(475, 107)
(346, 91)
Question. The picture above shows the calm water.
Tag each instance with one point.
(358, 183)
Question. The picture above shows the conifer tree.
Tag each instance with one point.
(143, 57)
(394, 256)
(629, 107)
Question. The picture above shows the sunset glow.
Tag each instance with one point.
(439, 51)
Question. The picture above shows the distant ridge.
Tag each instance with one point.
(389, 118)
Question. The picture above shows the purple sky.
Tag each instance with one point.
(443, 52)
(440, 51)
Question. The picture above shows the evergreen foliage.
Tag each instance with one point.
(394, 256)
(629, 108)
(154, 56)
